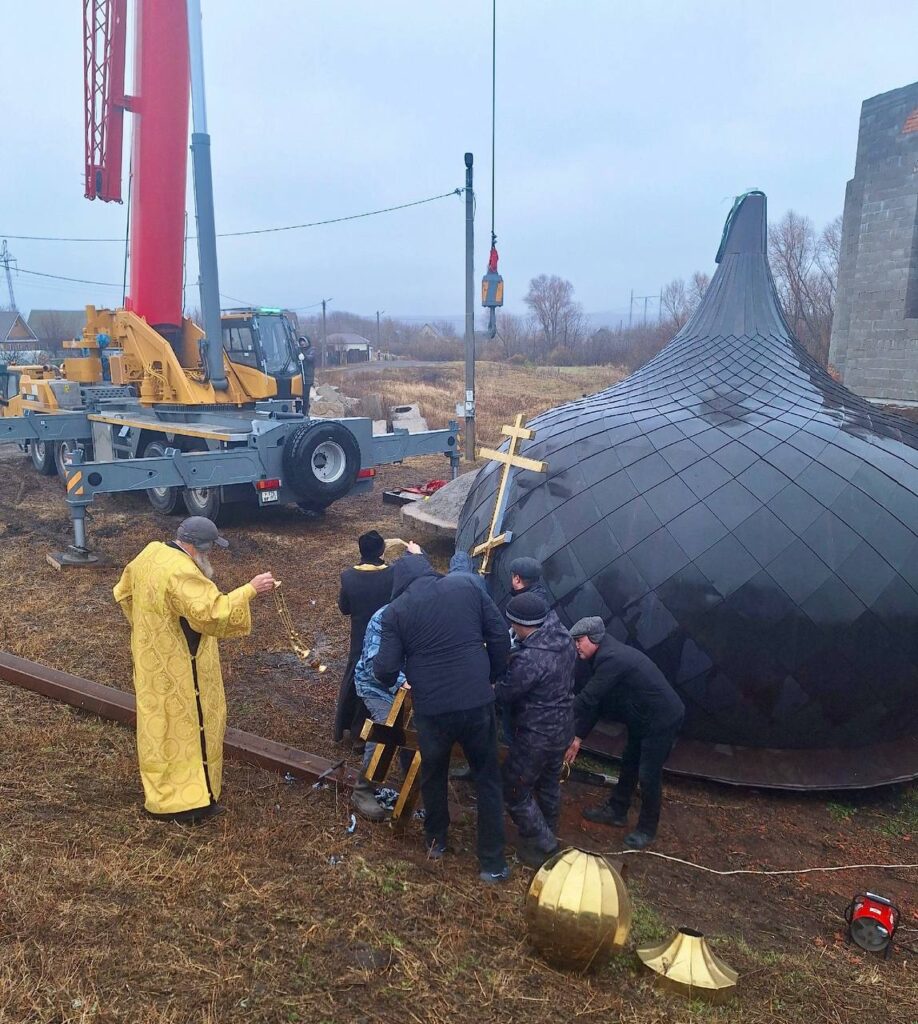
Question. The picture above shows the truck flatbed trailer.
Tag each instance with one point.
(211, 457)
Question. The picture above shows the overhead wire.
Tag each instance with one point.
(493, 107)
(60, 277)
(256, 231)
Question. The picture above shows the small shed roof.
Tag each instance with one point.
(15, 332)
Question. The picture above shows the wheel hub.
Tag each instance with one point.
(329, 462)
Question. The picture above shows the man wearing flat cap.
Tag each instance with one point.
(177, 614)
(536, 694)
(365, 588)
(627, 686)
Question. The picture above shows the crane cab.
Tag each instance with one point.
(263, 339)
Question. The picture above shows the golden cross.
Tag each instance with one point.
(390, 737)
(511, 460)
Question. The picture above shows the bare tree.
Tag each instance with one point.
(679, 300)
(675, 304)
(697, 287)
(560, 319)
(53, 328)
(513, 335)
(805, 269)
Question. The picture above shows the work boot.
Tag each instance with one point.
(605, 815)
(363, 800)
(638, 840)
(528, 853)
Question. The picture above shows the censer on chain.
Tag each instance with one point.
(297, 645)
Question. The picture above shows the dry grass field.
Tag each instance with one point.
(501, 391)
(275, 912)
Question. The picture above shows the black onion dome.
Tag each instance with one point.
(751, 525)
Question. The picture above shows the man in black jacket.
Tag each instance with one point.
(537, 693)
(365, 588)
(627, 686)
(526, 578)
(451, 641)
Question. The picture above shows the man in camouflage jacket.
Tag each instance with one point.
(537, 691)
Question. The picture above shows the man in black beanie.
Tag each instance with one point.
(625, 685)
(365, 588)
(537, 695)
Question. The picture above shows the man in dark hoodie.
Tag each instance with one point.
(627, 686)
(462, 563)
(365, 588)
(537, 693)
(451, 641)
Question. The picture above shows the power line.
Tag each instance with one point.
(257, 231)
(58, 277)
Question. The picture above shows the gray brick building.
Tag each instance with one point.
(874, 342)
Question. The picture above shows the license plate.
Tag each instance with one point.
(267, 496)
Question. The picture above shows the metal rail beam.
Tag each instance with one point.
(119, 706)
(178, 469)
(36, 426)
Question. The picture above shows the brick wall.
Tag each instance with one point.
(874, 342)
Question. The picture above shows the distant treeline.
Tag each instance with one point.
(556, 332)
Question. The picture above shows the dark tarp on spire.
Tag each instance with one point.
(748, 522)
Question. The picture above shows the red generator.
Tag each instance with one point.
(872, 922)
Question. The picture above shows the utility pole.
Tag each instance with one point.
(378, 311)
(630, 308)
(324, 336)
(6, 259)
(469, 443)
(646, 299)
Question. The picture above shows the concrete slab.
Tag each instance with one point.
(438, 515)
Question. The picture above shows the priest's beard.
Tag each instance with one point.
(203, 563)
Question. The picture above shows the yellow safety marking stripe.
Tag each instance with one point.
(73, 480)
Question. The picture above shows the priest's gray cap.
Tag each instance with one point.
(201, 532)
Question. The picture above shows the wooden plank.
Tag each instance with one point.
(164, 427)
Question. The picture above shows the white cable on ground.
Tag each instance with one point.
(756, 871)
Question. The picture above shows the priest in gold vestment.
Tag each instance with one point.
(177, 615)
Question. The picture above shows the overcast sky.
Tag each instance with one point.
(624, 130)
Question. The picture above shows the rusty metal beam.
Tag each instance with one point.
(119, 706)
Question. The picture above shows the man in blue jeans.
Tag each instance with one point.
(627, 686)
(451, 641)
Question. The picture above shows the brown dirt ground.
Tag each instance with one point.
(275, 913)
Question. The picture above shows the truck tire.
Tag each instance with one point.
(203, 501)
(321, 462)
(62, 450)
(42, 455)
(163, 499)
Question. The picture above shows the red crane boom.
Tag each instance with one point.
(104, 23)
(160, 141)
